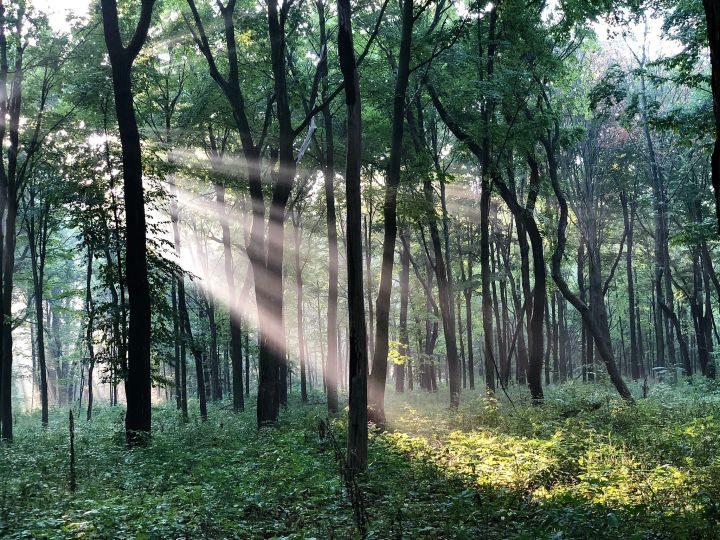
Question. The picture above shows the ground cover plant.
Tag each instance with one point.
(584, 466)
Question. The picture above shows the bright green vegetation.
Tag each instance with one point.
(585, 464)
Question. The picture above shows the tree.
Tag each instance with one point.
(378, 374)
(712, 15)
(358, 372)
(137, 384)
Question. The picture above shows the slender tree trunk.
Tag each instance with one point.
(37, 240)
(463, 366)
(446, 299)
(137, 383)
(593, 317)
(712, 15)
(194, 348)
(487, 314)
(90, 312)
(176, 342)
(467, 293)
(554, 343)
(184, 318)
(392, 181)
(709, 322)
(233, 304)
(247, 365)
(299, 311)
(215, 387)
(629, 219)
(563, 338)
(358, 373)
(400, 371)
(331, 219)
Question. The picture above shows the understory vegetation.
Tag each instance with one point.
(585, 465)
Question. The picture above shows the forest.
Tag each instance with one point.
(384, 269)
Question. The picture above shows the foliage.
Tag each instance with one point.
(585, 465)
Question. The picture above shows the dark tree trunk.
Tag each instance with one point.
(536, 303)
(367, 224)
(548, 351)
(331, 220)
(137, 383)
(446, 299)
(712, 15)
(265, 248)
(502, 363)
(358, 373)
(184, 320)
(554, 340)
(176, 342)
(247, 365)
(595, 317)
(378, 375)
(708, 274)
(37, 239)
(487, 304)
(215, 387)
(194, 347)
(90, 312)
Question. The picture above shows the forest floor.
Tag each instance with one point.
(585, 465)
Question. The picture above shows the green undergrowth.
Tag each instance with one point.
(584, 465)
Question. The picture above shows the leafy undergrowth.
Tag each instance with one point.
(583, 466)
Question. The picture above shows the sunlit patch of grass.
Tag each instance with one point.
(584, 449)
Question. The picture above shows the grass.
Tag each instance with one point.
(585, 465)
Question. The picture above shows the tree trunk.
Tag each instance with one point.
(233, 304)
(215, 387)
(137, 383)
(358, 372)
(596, 324)
(392, 181)
(331, 220)
(629, 219)
(446, 298)
(299, 311)
(37, 240)
(712, 15)
(90, 312)
(400, 371)
(467, 293)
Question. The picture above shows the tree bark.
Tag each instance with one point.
(137, 384)
(331, 220)
(712, 15)
(358, 371)
(90, 312)
(378, 375)
(37, 240)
